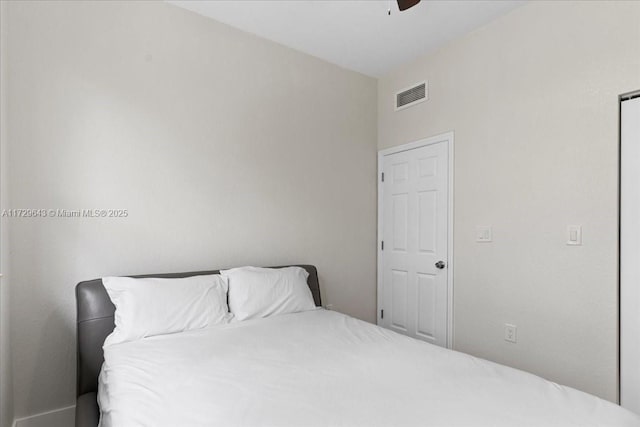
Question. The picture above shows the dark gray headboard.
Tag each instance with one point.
(95, 322)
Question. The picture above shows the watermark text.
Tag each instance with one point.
(65, 213)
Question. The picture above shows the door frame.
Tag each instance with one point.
(447, 138)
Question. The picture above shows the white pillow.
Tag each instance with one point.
(261, 292)
(155, 306)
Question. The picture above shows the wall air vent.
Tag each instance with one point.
(411, 96)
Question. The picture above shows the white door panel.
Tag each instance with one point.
(414, 203)
(629, 255)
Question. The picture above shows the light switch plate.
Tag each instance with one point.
(574, 235)
(484, 234)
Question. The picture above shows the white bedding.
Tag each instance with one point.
(322, 368)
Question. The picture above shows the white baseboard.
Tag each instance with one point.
(63, 417)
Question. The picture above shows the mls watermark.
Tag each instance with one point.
(65, 213)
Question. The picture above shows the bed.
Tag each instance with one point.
(311, 368)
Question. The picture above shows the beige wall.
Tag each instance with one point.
(533, 100)
(225, 148)
(6, 389)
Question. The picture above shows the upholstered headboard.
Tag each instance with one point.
(95, 321)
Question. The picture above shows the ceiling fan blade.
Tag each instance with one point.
(406, 4)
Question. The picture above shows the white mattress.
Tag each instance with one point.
(322, 368)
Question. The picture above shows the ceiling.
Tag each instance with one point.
(357, 35)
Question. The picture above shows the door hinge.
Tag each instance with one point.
(382, 314)
(382, 245)
(382, 176)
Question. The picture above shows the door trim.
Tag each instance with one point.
(448, 139)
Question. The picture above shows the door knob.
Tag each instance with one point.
(440, 265)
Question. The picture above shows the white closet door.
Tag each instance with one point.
(414, 231)
(630, 255)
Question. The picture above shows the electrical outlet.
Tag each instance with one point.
(510, 333)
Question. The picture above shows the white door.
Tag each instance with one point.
(630, 254)
(414, 225)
